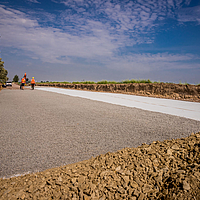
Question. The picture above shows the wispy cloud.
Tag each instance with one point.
(33, 1)
(48, 44)
(94, 31)
(146, 62)
(131, 21)
(191, 14)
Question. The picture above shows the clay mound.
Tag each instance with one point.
(161, 170)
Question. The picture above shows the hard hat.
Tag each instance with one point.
(32, 77)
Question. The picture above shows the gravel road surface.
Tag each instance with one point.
(41, 130)
(185, 109)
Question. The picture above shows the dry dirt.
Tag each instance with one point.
(158, 90)
(161, 170)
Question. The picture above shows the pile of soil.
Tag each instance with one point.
(159, 90)
(161, 170)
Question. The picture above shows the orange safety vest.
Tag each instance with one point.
(32, 81)
(23, 80)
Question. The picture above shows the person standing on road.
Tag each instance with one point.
(23, 81)
(32, 83)
(25, 76)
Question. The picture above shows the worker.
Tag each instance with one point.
(32, 83)
(23, 81)
(25, 77)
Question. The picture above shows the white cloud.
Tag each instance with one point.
(48, 44)
(124, 19)
(33, 1)
(190, 14)
(84, 37)
(146, 62)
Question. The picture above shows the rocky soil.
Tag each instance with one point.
(161, 170)
(159, 90)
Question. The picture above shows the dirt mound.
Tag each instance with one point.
(160, 90)
(161, 170)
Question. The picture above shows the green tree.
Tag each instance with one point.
(3, 72)
(16, 78)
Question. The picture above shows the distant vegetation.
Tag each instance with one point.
(112, 82)
(65, 82)
(101, 82)
(137, 81)
(3, 72)
(16, 78)
(84, 82)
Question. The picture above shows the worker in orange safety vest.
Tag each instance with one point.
(23, 81)
(32, 83)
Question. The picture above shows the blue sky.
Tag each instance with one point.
(75, 40)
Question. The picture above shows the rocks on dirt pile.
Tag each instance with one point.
(160, 90)
(161, 170)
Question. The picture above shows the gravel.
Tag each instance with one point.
(161, 170)
(41, 130)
